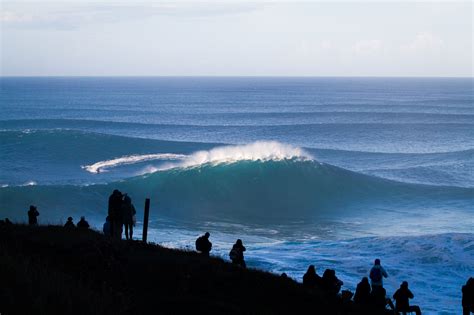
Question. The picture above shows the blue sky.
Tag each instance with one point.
(274, 38)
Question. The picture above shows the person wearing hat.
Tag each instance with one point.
(69, 223)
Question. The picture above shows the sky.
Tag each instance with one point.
(236, 38)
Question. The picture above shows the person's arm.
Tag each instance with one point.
(395, 295)
(384, 273)
(410, 295)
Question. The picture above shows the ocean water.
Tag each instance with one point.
(333, 172)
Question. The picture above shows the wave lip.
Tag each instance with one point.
(256, 151)
(130, 159)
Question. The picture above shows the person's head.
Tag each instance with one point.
(284, 276)
(469, 282)
(69, 219)
(311, 269)
(365, 280)
(32, 208)
(207, 235)
(377, 262)
(83, 218)
(116, 192)
(239, 242)
(404, 285)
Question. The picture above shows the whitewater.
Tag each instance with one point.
(327, 171)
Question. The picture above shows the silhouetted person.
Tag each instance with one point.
(377, 273)
(379, 300)
(6, 222)
(203, 245)
(128, 211)
(311, 279)
(331, 284)
(69, 223)
(106, 227)
(467, 297)
(115, 214)
(83, 224)
(362, 293)
(33, 215)
(237, 254)
(402, 297)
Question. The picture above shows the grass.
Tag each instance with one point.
(52, 270)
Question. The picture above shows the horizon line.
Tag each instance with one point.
(237, 76)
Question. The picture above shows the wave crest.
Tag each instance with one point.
(256, 151)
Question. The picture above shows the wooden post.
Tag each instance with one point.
(145, 219)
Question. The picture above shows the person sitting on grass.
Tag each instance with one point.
(331, 284)
(311, 279)
(83, 224)
(402, 297)
(237, 254)
(69, 223)
(362, 294)
(203, 245)
(33, 215)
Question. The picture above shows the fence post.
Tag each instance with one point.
(145, 219)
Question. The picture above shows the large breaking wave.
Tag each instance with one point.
(247, 190)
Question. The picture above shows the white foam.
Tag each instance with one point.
(256, 151)
(130, 159)
(30, 183)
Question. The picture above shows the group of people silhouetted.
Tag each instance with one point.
(370, 296)
(33, 215)
(121, 215)
(82, 224)
(236, 254)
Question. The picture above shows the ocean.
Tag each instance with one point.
(333, 172)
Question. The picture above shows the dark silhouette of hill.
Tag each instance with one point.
(53, 270)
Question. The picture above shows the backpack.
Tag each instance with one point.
(375, 274)
(199, 244)
(234, 254)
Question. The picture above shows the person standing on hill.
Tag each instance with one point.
(128, 211)
(377, 273)
(115, 214)
(237, 254)
(33, 215)
(203, 245)
(402, 297)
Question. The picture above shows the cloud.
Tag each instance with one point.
(73, 15)
(13, 17)
(367, 47)
(424, 41)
